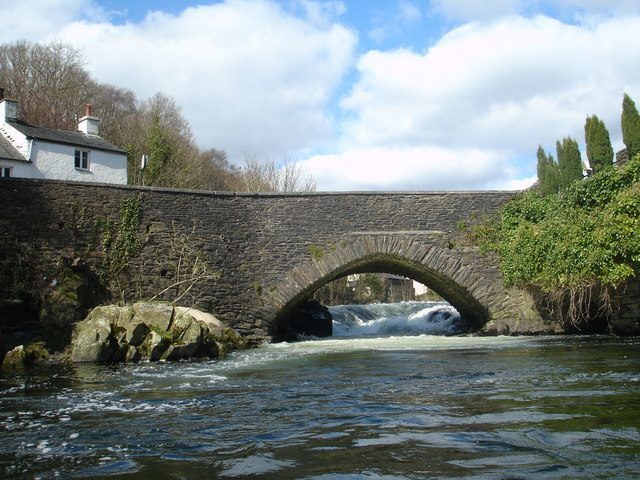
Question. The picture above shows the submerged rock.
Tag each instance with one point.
(150, 331)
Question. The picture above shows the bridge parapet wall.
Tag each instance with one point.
(254, 241)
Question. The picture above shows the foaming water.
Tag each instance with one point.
(404, 318)
(402, 407)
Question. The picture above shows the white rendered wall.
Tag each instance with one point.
(55, 161)
(20, 169)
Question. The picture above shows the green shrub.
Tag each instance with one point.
(587, 236)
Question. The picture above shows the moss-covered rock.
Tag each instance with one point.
(148, 331)
(154, 314)
(14, 359)
(91, 340)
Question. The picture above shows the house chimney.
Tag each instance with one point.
(89, 124)
(8, 108)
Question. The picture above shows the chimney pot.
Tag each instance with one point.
(88, 109)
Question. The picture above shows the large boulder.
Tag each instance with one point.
(150, 331)
(154, 315)
(14, 359)
(91, 340)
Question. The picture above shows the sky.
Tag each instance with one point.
(365, 95)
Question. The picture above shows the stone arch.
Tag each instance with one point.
(466, 278)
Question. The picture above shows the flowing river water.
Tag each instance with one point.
(390, 396)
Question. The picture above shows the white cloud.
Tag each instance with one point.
(411, 168)
(474, 10)
(466, 10)
(409, 12)
(37, 19)
(467, 111)
(321, 13)
(406, 14)
(249, 76)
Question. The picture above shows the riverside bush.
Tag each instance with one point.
(585, 237)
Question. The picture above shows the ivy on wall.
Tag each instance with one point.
(120, 242)
(574, 243)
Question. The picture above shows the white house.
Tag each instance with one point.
(28, 151)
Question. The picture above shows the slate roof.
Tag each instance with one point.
(66, 137)
(8, 151)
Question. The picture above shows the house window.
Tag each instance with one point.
(5, 172)
(82, 159)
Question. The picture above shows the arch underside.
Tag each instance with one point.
(457, 275)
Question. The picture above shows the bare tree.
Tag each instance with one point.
(49, 82)
(51, 86)
(267, 176)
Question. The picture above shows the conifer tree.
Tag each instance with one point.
(553, 176)
(541, 166)
(630, 126)
(569, 162)
(547, 173)
(599, 150)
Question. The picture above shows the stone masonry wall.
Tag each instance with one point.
(252, 240)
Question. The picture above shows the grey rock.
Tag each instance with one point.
(91, 340)
(14, 359)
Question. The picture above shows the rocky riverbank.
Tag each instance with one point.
(137, 332)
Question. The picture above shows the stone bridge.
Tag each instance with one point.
(271, 251)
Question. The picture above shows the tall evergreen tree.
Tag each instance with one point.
(569, 162)
(547, 173)
(599, 150)
(630, 126)
(542, 165)
(553, 176)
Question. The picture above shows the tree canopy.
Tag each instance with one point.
(569, 162)
(51, 85)
(630, 126)
(599, 150)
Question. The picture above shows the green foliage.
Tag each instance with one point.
(316, 252)
(630, 126)
(599, 150)
(160, 152)
(373, 284)
(586, 236)
(120, 242)
(569, 162)
(548, 173)
(257, 286)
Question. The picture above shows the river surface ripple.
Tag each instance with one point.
(395, 407)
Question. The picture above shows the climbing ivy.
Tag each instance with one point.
(571, 243)
(120, 242)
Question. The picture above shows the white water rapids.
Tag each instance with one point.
(405, 318)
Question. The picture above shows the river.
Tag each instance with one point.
(391, 396)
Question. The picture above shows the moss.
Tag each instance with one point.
(257, 286)
(35, 353)
(227, 341)
(316, 252)
(167, 336)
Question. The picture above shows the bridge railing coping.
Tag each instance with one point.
(143, 188)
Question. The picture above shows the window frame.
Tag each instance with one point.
(81, 156)
(5, 169)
